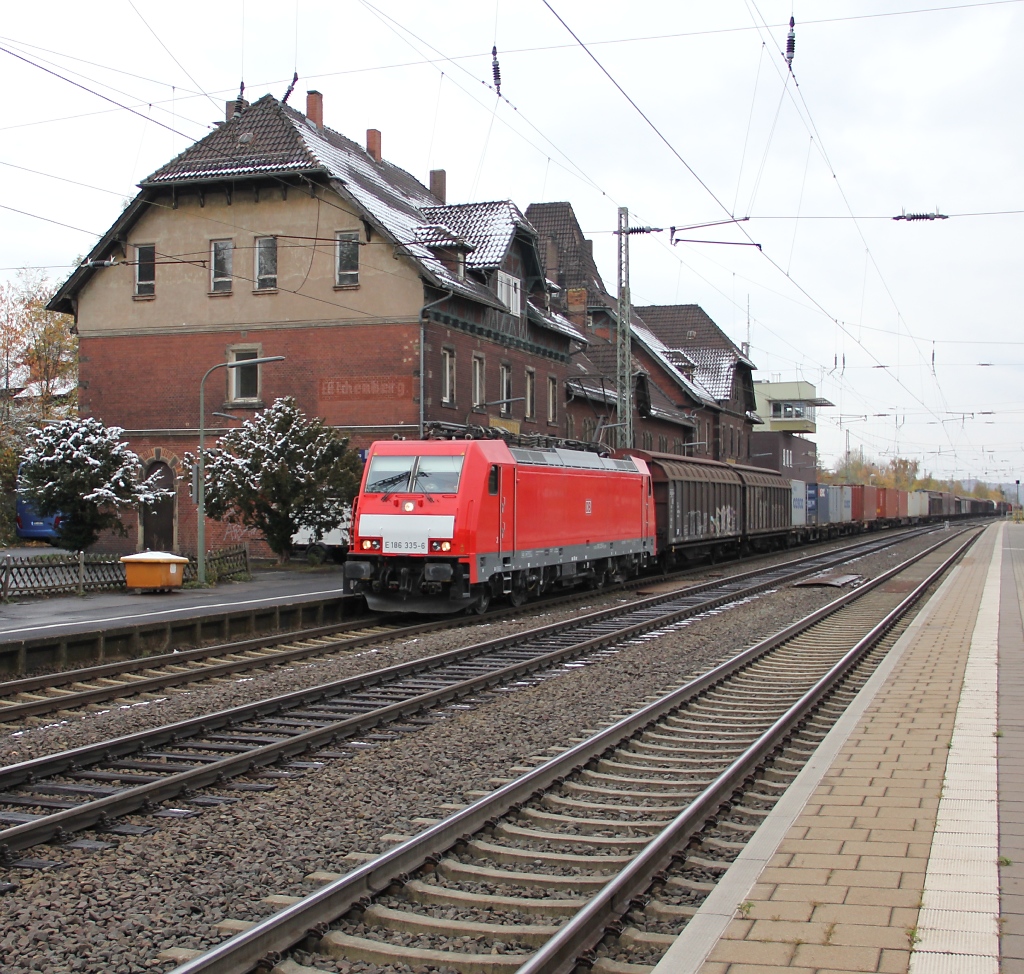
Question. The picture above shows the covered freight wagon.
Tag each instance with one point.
(702, 503)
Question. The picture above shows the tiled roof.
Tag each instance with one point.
(678, 366)
(576, 263)
(489, 227)
(556, 322)
(686, 331)
(598, 381)
(258, 140)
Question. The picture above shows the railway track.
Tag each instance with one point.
(50, 798)
(601, 854)
(151, 677)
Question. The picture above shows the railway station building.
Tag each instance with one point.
(395, 311)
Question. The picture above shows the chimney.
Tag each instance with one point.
(315, 108)
(439, 184)
(373, 144)
(576, 306)
(230, 107)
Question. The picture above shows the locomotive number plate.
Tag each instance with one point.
(412, 545)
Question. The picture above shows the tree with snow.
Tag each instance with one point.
(279, 472)
(81, 469)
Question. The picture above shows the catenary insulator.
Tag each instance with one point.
(495, 69)
(791, 43)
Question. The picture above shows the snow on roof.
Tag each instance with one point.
(556, 322)
(490, 227)
(694, 386)
(60, 387)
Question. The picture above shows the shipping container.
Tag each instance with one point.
(799, 503)
(917, 504)
(886, 505)
(835, 505)
(864, 503)
(824, 515)
(812, 503)
(847, 507)
(903, 504)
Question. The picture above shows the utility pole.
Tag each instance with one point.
(624, 358)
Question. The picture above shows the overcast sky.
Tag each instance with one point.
(913, 329)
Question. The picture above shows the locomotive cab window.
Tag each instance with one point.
(388, 474)
(437, 475)
(413, 475)
(493, 479)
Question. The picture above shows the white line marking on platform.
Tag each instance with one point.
(968, 939)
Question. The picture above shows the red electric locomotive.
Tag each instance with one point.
(445, 525)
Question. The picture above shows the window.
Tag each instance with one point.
(647, 439)
(677, 446)
(663, 444)
(479, 395)
(448, 376)
(505, 389)
(494, 480)
(145, 270)
(347, 247)
(530, 410)
(245, 379)
(552, 399)
(220, 265)
(510, 292)
(570, 425)
(265, 271)
(589, 429)
(777, 410)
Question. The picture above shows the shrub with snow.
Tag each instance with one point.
(82, 470)
(279, 472)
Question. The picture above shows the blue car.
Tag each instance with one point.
(32, 526)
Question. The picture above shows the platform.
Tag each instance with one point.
(900, 847)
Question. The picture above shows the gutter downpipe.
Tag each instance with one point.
(423, 363)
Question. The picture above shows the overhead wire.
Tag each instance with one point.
(816, 138)
(170, 54)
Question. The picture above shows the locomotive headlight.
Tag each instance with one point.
(408, 506)
(439, 545)
(370, 544)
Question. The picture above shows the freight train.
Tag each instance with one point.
(447, 525)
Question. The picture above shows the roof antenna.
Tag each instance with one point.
(791, 44)
(291, 88)
(240, 101)
(495, 69)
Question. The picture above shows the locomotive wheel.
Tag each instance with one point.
(483, 601)
(518, 594)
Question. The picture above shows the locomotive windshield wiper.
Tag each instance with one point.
(426, 493)
(388, 482)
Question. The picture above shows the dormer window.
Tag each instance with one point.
(510, 291)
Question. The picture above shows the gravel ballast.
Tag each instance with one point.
(114, 910)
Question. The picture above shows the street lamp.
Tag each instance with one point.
(201, 491)
(492, 402)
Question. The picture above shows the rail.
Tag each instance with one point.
(267, 940)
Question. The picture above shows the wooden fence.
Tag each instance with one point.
(78, 572)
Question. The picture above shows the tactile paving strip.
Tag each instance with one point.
(964, 851)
